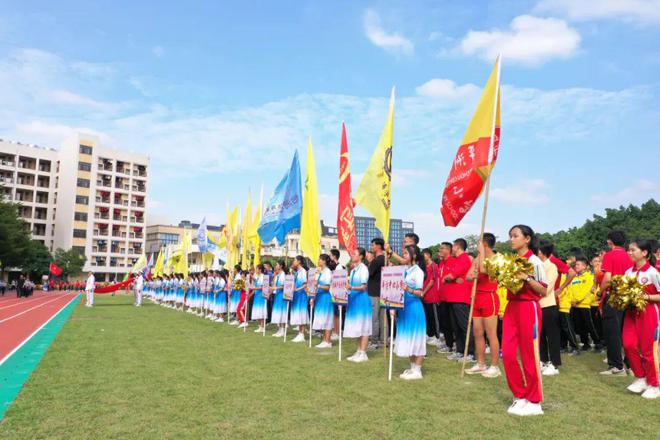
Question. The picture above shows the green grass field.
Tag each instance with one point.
(117, 372)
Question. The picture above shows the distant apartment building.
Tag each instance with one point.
(366, 230)
(85, 196)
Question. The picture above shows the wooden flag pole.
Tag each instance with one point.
(392, 316)
(483, 216)
(286, 320)
(385, 332)
(309, 328)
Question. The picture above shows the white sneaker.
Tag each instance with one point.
(324, 344)
(492, 372)
(299, 338)
(334, 336)
(531, 409)
(361, 357)
(259, 330)
(353, 356)
(443, 348)
(638, 386)
(431, 340)
(219, 319)
(233, 323)
(243, 325)
(476, 369)
(651, 393)
(516, 406)
(279, 333)
(453, 356)
(413, 375)
(549, 370)
(405, 373)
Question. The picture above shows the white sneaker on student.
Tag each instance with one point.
(243, 325)
(234, 322)
(454, 356)
(549, 370)
(431, 340)
(352, 357)
(361, 357)
(259, 329)
(531, 409)
(476, 369)
(405, 373)
(638, 386)
(219, 319)
(324, 344)
(651, 393)
(414, 374)
(492, 372)
(299, 338)
(516, 406)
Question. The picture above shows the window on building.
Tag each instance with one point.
(84, 166)
(80, 216)
(79, 249)
(83, 183)
(82, 200)
(79, 233)
(84, 149)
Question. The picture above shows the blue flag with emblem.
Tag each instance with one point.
(283, 211)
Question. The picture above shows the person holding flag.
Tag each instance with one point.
(358, 314)
(138, 286)
(259, 307)
(235, 294)
(279, 314)
(323, 307)
(299, 313)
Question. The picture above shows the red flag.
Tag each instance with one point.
(345, 218)
(55, 270)
(476, 155)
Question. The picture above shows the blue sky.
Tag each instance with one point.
(220, 95)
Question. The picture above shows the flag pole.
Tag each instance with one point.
(392, 316)
(340, 332)
(483, 215)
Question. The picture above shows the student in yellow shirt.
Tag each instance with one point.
(581, 299)
(569, 341)
(596, 317)
(501, 292)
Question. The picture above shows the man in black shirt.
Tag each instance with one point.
(373, 288)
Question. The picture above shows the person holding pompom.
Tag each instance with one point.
(521, 328)
(641, 328)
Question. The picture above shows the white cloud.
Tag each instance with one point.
(391, 42)
(446, 89)
(529, 40)
(526, 192)
(643, 12)
(640, 191)
(158, 51)
(69, 98)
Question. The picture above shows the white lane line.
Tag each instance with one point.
(30, 309)
(35, 332)
(20, 302)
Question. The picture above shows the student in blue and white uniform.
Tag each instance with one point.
(411, 320)
(323, 307)
(279, 315)
(235, 295)
(358, 315)
(299, 312)
(221, 298)
(179, 291)
(259, 305)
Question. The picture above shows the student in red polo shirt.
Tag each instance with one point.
(615, 262)
(521, 328)
(457, 294)
(641, 329)
(444, 261)
(485, 315)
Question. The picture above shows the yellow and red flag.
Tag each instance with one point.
(476, 155)
(345, 216)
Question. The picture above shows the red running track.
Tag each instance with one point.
(21, 317)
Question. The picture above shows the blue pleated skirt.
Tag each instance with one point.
(259, 307)
(323, 311)
(411, 328)
(358, 315)
(279, 309)
(299, 309)
(234, 300)
(221, 302)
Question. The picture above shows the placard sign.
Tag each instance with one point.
(265, 287)
(312, 281)
(339, 286)
(289, 282)
(391, 286)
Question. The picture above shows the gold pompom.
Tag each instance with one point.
(239, 284)
(505, 269)
(626, 293)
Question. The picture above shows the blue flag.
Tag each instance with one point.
(284, 207)
(202, 239)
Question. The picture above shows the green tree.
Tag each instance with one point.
(14, 236)
(71, 262)
(36, 260)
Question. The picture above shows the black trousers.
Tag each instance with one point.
(568, 336)
(432, 320)
(597, 319)
(459, 321)
(585, 326)
(445, 324)
(551, 336)
(612, 328)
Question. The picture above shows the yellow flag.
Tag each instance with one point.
(207, 260)
(310, 222)
(374, 193)
(182, 263)
(158, 267)
(245, 239)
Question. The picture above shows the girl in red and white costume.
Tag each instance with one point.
(521, 328)
(641, 329)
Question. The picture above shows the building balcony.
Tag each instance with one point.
(101, 216)
(7, 163)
